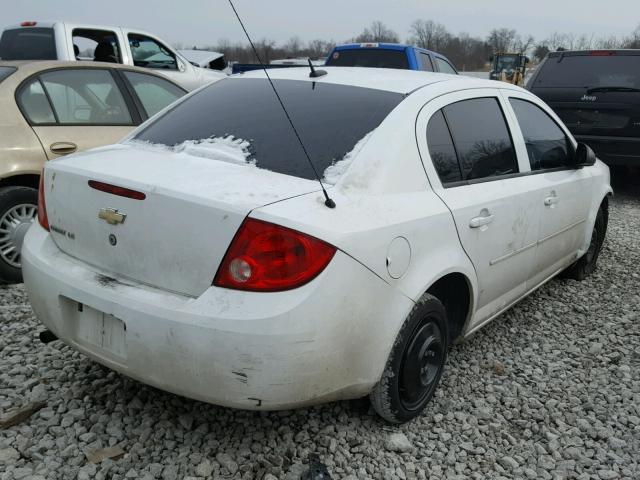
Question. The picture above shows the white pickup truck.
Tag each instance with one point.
(69, 41)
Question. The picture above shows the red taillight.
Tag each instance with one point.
(601, 53)
(115, 190)
(264, 257)
(28, 24)
(42, 207)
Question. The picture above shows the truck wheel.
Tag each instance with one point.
(18, 210)
(415, 364)
(586, 264)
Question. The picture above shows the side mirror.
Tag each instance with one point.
(585, 157)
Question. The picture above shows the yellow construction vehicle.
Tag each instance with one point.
(508, 67)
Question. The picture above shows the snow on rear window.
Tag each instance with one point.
(334, 171)
(224, 149)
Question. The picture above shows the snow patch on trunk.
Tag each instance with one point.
(224, 149)
(334, 171)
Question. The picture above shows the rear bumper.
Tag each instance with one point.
(327, 340)
(622, 151)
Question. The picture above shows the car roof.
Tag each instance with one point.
(27, 68)
(389, 79)
(617, 51)
(80, 25)
(384, 46)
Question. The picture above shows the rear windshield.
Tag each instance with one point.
(28, 44)
(369, 57)
(330, 119)
(6, 71)
(590, 71)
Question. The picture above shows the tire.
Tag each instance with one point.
(586, 264)
(415, 363)
(17, 206)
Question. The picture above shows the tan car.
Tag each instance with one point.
(50, 109)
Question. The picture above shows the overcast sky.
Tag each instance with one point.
(202, 22)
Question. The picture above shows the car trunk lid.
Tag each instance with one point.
(174, 238)
(605, 113)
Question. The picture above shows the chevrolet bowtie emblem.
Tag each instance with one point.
(111, 216)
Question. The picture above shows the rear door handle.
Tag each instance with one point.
(552, 200)
(63, 148)
(485, 218)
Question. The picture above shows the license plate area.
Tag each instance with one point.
(94, 328)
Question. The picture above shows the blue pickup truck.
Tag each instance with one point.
(389, 55)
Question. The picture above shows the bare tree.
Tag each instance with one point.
(540, 51)
(293, 47)
(377, 32)
(522, 45)
(634, 40)
(609, 42)
(319, 48)
(265, 48)
(501, 39)
(429, 34)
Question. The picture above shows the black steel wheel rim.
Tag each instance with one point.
(422, 361)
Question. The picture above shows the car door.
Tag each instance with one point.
(470, 159)
(149, 52)
(563, 192)
(74, 109)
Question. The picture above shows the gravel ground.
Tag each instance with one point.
(551, 389)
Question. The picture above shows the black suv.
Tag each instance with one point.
(597, 95)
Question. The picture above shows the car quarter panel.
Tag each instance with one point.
(383, 196)
(324, 341)
(20, 150)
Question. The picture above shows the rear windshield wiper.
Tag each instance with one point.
(613, 89)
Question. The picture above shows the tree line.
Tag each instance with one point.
(465, 51)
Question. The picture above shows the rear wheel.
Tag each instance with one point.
(586, 264)
(18, 210)
(415, 364)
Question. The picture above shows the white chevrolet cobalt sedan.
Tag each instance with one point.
(200, 256)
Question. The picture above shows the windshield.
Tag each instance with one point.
(589, 71)
(28, 44)
(331, 120)
(507, 63)
(6, 71)
(369, 57)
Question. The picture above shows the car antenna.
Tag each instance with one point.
(328, 201)
(315, 73)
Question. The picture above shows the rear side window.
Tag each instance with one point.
(444, 66)
(86, 96)
(369, 57)
(6, 71)
(34, 103)
(154, 93)
(425, 62)
(481, 137)
(74, 97)
(441, 149)
(28, 43)
(595, 70)
(96, 45)
(547, 145)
